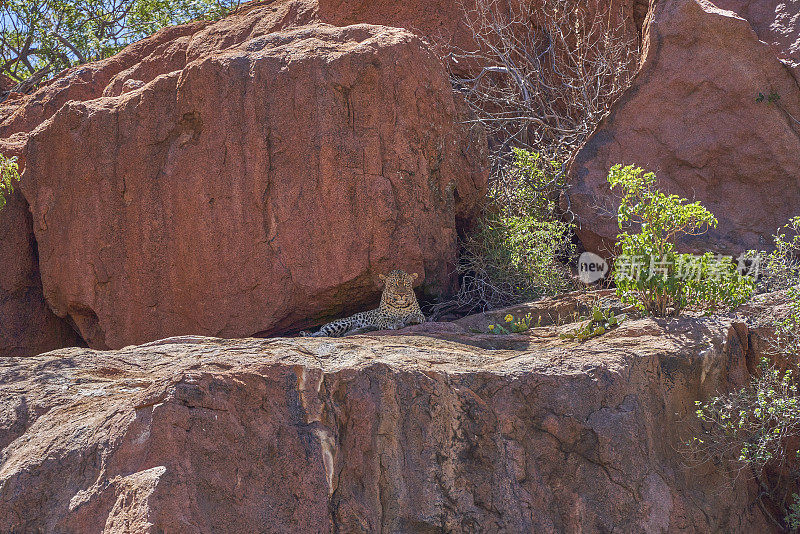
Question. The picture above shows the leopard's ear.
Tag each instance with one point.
(414, 276)
(382, 277)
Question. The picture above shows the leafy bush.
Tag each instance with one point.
(756, 420)
(756, 426)
(787, 329)
(648, 272)
(781, 268)
(516, 252)
(9, 175)
(759, 425)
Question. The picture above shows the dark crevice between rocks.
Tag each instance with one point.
(28, 325)
(78, 341)
(641, 8)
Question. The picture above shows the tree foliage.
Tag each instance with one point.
(41, 37)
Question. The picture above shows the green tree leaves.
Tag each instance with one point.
(41, 37)
(516, 252)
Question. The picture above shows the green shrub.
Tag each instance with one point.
(787, 329)
(9, 175)
(756, 420)
(759, 425)
(755, 426)
(780, 269)
(516, 252)
(792, 517)
(648, 272)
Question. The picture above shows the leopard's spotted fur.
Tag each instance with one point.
(398, 308)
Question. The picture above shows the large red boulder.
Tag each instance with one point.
(254, 190)
(693, 115)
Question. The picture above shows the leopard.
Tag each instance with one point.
(398, 308)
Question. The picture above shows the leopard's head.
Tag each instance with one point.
(398, 289)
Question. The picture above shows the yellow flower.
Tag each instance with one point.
(509, 318)
(491, 327)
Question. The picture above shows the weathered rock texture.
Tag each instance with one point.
(441, 21)
(27, 326)
(164, 52)
(777, 23)
(691, 116)
(369, 434)
(763, 313)
(157, 219)
(252, 187)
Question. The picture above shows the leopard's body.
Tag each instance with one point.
(398, 308)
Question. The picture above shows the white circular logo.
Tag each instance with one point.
(591, 267)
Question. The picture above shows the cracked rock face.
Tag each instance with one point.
(258, 184)
(373, 434)
(692, 116)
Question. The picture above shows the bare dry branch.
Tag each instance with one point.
(543, 73)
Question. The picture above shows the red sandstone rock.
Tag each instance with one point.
(27, 326)
(776, 22)
(374, 434)
(691, 116)
(163, 52)
(255, 188)
(6, 84)
(440, 21)
(174, 50)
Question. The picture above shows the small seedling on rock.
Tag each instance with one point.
(601, 321)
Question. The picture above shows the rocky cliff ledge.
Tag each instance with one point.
(375, 434)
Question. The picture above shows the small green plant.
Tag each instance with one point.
(771, 98)
(9, 176)
(600, 321)
(792, 517)
(512, 325)
(648, 272)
